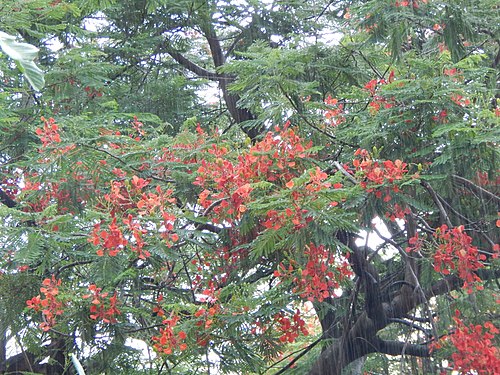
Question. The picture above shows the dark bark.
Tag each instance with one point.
(28, 362)
(192, 67)
(22, 362)
(239, 115)
(360, 332)
(6, 200)
(57, 352)
(3, 347)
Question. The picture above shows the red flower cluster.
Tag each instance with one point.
(442, 117)
(379, 173)
(316, 181)
(110, 241)
(415, 243)
(92, 92)
(205, 316)
(406, 3)
(100, 309)
(397, 212)
(49, 133)
(40, 196)
(10, 185)
(483, 179)
(334, 115)
(290, 329)
(158, 310)
(150, 202)
(126, 196)
(138, 128)
(321, 275)
(168, 340)
(476, 352)
(456, 252)
(318, 281)
(136, 243)
(460, 100)
(297, 215)
(379, 101)
(275, 220)
(51, 306)
(275, 158)
(119, 197)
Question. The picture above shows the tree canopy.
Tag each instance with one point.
(249, 187)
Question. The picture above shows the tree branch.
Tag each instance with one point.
(435, 198)
(6, 200)
(349, 176)
(391, 347)
(194, 68)
(409, 324)
(361, 338)
(478, 189)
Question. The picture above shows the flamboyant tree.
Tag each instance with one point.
(336, 210)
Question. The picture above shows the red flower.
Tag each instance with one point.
(455, 253)
(49, 133)
(101, 309)
(51, 306)
(110, 241)
(476, 351)
(168, 340)
(290, 328)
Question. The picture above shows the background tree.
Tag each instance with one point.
(336, 209)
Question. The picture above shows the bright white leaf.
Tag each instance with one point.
(23, 54)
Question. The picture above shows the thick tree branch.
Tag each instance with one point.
(194, 68)
(361, 338)
(367, 272)
(214, 45)
(71, 265)
(409, 324)
(453, 282)
(6, 200)
(400, 348)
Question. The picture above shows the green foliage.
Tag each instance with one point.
(215, 226)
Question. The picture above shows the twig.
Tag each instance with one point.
(392, 242)
(436, 200)
(409, 324)
(292, 362)
(476, 188)
(125, 163)
(345, 173)
(308, 122)
(79, 263)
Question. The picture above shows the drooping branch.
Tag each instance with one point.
(477, 189)
(435, 198)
